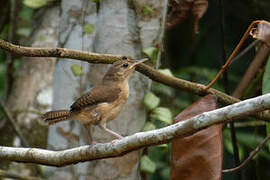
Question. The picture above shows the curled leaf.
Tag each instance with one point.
(262, 32)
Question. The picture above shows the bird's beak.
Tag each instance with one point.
(139, 62)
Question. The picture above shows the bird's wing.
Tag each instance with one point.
(95, 96)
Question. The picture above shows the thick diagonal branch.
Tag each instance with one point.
(153, 74)
(138, 140)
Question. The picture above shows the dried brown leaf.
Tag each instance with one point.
(180, 10)
(198, 156)
(262, 32)
(198, 9)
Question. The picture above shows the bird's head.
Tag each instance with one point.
(122, 69)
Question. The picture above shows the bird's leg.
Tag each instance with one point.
(103, 126)
(89, 135)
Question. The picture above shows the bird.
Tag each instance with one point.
(103, 102)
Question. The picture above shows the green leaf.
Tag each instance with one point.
(26, 13)
(147, 10)
(162, 146)
(165, 173)
(76, 69)
(162, 114)
(249, 140)
(148, 126)
(35, 3)
(89, 28)
(24, 32)
(147, 165)
(95, 1)
(151, 101)
(151, 53)
(266, 89)
(163, 89)
(168, 72)
(228, 145)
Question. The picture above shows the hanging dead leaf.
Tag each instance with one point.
(198, 9)
(198, 156)
(261, 32)
(179, 10)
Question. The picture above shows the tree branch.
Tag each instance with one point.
(153, 74)
(136, 141)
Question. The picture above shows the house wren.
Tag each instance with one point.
(103, 102)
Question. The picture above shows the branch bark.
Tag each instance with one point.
(136, 141)
(153, 74)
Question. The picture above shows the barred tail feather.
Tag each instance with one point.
(53, 117)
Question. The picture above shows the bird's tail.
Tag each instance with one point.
(53, 117)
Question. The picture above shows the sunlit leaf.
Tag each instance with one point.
(89, 28)
(162, 114)
(149, 126)
(35, 3)
(151, 101)
(76, 69)
(168, 72)
(162, 146)
(151, 53)
(147, 165)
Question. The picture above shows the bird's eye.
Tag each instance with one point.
(124, 58)
(125, 65)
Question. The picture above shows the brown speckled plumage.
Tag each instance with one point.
(102, 103)
(97, 95)
(53, 117)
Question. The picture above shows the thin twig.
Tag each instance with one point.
(252, 70)
(14, 125)
(249, 124)
(242, 53)
(228, 62)
(11, 38)
(227, 88)
(153, 74)
(250, 157)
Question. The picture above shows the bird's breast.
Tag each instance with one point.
(110, 111)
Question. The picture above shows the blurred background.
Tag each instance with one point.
(185, 54)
